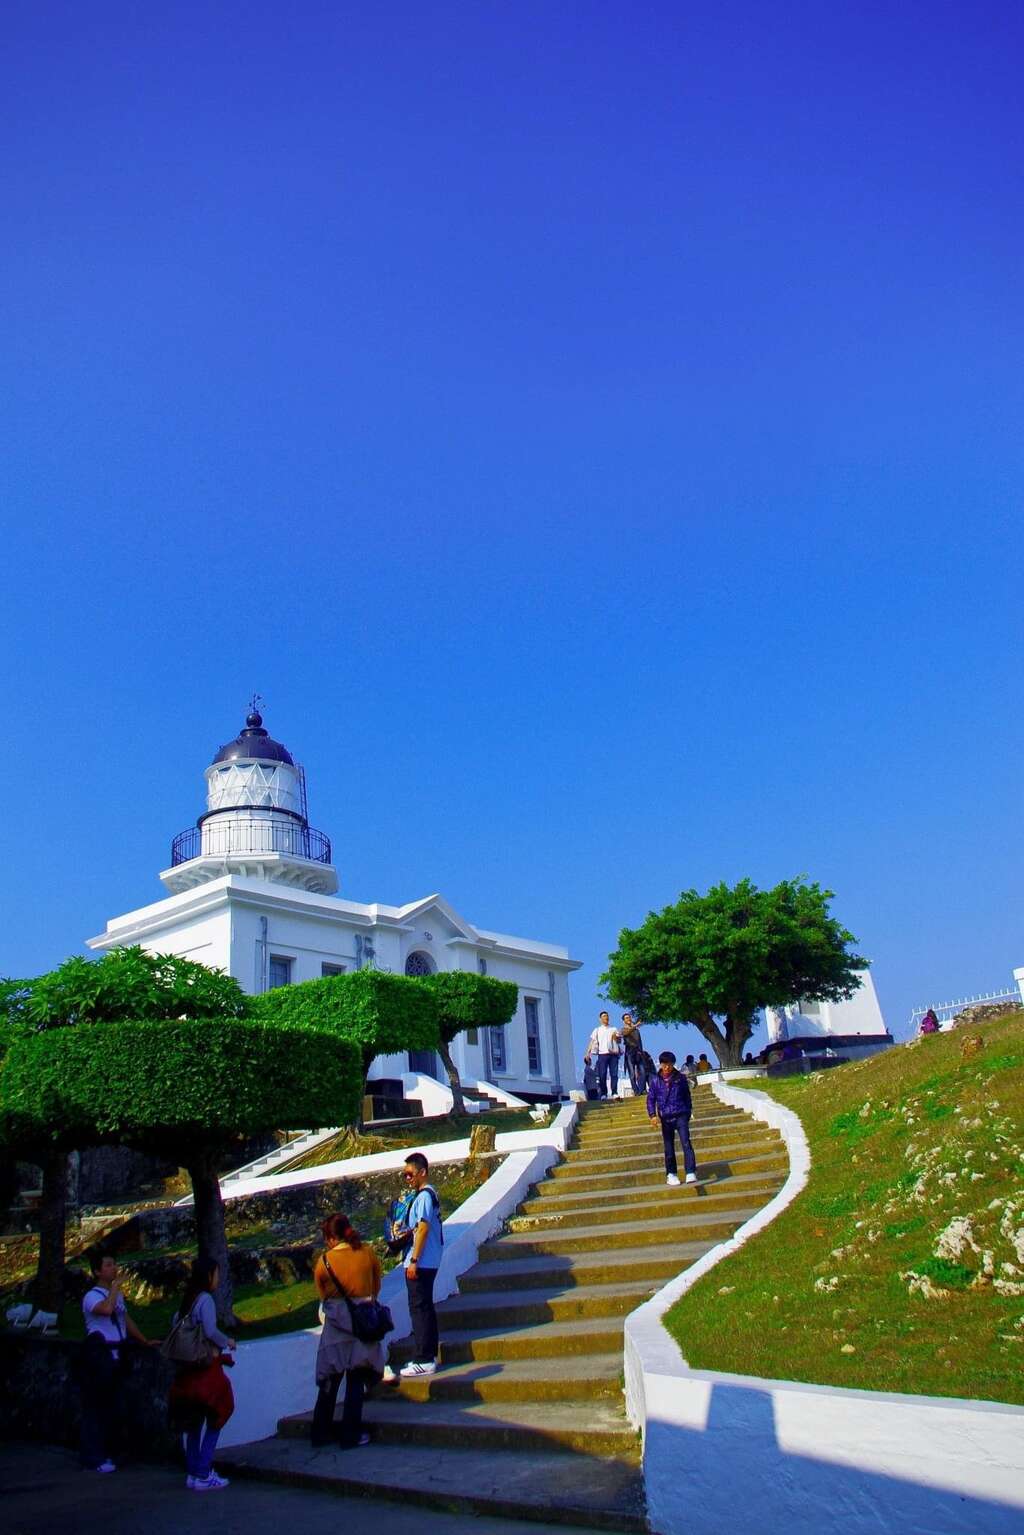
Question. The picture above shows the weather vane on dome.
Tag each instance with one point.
(256, 703)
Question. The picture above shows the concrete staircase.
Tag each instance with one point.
(525, 1417)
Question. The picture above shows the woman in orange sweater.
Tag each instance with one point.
(348, 1270)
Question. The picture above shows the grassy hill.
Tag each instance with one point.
(900, 1267)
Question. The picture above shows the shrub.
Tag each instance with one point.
(380, 1012)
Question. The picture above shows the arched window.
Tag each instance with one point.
(419, 963)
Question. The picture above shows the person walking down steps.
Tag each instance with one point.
(606, 1044)
(669, 1102)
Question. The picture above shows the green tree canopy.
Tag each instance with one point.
(381, 1013)
(186, 1083)
(712, 960)
(466, 1000)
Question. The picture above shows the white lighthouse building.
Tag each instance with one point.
(253, 891)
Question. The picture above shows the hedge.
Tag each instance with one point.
(466, 1000)
(380, 1012)
(157, 1083)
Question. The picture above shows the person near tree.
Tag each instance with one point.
(107, 1327)
(634, 1048)
(201, 1399)
(670, 1105)
(347, 1270)
(606, 1044)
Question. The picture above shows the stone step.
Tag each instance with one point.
(517, 1380)
(637, 1161)
(564, 1193)
(540, 1340)
(594, 1129)
(574, 1271)
(555, 1426)
(718, 1163)
(535, 1303)
(592, 1491)
(618, 1179)
(711, 1134)
(650, 1144)
(705, 1225)
(599, 1210)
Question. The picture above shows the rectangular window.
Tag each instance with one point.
(532, 1006)
(497, 1048)
(280, 971)
(472, 1036)
(326, 970)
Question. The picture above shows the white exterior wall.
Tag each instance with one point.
(859, 1014)
(220, 923)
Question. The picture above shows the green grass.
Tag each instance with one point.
(424, 1132)
(901, 1145)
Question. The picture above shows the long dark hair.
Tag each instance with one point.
(338, 1228)
(200, 1278)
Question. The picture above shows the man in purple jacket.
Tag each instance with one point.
(668, 1099)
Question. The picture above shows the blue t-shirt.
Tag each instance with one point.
(424, 1208)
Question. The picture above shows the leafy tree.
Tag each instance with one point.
(712, 960)
(467, 1001)
(182, 1089)
(163, 1054)
(382, 1013)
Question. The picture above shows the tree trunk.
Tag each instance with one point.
(211, 1238)
(49, 1283)
(727, 1043)
(458, 1102)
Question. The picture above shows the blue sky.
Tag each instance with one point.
(594, 429)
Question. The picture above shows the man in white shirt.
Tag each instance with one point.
(107, 1325)
(606, 1044)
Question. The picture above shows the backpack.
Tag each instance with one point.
(397, 1238)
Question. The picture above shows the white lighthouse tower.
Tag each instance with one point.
(255, 823)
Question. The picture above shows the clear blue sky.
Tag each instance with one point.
(595, 429)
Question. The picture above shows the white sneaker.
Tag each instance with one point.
(211, 1483)
(105, 1467)
(389, 1376)
(416, 1367)
(672, 1181)
(690, 1178)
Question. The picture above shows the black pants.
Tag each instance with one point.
(637, 1073)
(669, 1128)
(422, 1314)
(100, 1382)
(351, 1412)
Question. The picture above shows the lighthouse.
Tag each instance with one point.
(255, 823)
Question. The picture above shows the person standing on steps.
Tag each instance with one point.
(606, 1044)
(669, 1101)
(347, 1271)
(422, 1262)
(633, 1045)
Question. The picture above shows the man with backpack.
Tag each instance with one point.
(423, 1240)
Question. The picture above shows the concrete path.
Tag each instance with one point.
(43, 1492)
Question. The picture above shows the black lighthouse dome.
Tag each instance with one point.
(254, 744)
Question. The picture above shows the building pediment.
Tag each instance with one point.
(434, 915)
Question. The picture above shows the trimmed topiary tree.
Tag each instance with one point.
(381, 1013)
(95, 1055)
(183, 1089)
(466, 1000)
